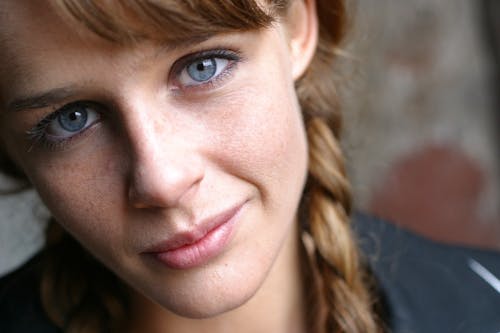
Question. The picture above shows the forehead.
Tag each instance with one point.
(26, 25)
(39, 49)
(33, 34)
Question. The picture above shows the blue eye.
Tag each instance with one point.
(207, 67)
(202, 70)
(65, 124)
(71, 119)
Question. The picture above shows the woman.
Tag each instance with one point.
(191, 148)
(188, 153)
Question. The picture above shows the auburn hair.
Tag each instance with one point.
(89, 298)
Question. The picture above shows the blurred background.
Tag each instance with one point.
(421, 91)
(423, 116)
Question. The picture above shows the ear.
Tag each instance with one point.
(301, 23)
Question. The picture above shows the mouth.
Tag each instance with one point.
(198, 246)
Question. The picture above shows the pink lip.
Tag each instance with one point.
(197, 246)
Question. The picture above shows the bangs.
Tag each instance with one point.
(169, 20)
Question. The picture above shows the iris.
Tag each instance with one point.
(202, 70)
(73, 119)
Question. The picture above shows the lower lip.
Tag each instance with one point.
(202, 251)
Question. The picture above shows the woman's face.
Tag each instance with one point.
(179, 167)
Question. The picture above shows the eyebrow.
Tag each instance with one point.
(58, 95)
(41, 100)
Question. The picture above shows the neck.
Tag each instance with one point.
(278, 306)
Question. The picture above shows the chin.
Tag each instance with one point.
(202, 293)
(211, 310)
(207, 305)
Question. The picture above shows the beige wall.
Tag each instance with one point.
(421, 128)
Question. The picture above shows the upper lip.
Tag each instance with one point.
(195, 234)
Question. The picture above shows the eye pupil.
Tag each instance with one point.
(72, 120)
(202, 70)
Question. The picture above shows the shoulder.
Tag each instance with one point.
(20, 307)
(428, 286)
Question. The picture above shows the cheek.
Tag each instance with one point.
(266, 139)
(82, 196)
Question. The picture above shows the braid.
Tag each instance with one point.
(349, 305)
(343, 283)
(78, 293)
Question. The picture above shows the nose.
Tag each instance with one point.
(165, 168)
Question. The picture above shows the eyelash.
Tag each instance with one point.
(233, 58)
(38, 134)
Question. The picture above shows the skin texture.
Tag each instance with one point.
(161, 157)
